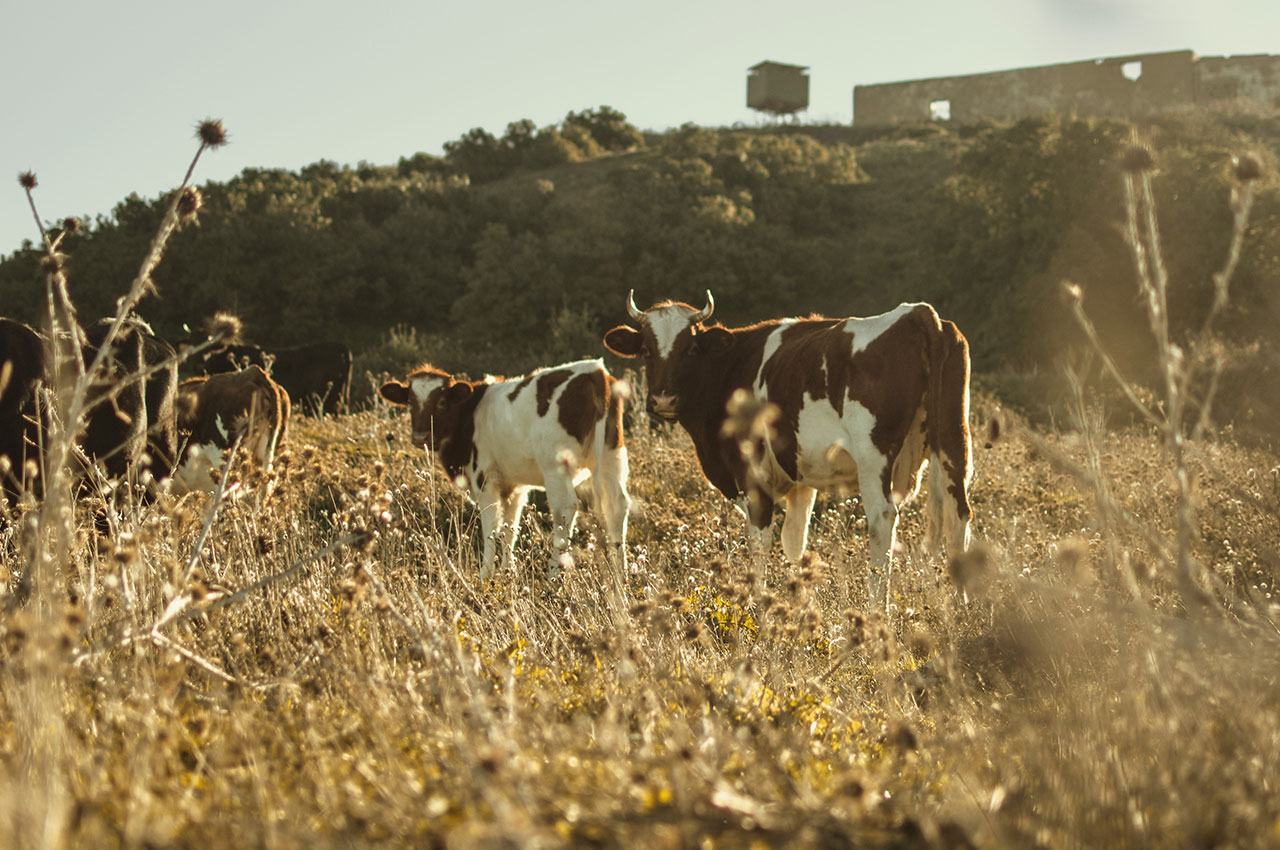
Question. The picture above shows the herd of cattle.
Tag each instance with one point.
(778, 410)
(138, 411)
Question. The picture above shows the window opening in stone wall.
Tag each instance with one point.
(1131, 70)
(940, 110)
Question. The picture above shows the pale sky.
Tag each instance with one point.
(101, 98)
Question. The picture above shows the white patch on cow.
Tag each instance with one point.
(835, 452)
(199, 469)
(866, 331)
(424, 385)
(771, 345)
(667, 323)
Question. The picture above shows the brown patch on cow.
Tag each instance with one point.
(547, 383)
(950, 412)
(613, 438)
(515, 391)
(22, 367)
(582, 404)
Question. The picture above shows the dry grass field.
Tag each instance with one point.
(372, 694)
(313, 663)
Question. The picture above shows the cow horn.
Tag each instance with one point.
(631, 306)
(705, 312)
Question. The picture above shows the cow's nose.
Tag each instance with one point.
(665, 406)
(419, 438)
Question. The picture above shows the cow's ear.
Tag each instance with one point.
(395, 392)
(713, 340)
(623, 341)
(457, 393)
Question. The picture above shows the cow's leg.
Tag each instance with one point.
(758, 507)
(562, 499)
(882, 527)
(609, 484)
(795, 525)
(489, 501)
(512, 506)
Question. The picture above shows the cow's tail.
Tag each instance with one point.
(947, 433)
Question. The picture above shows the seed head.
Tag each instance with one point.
(1137, 158)
(1247, 168)
(223, 327)
(27, 180)
(70, 224)
(211, 133)
(189, 204)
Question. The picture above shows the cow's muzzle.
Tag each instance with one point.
(664, 406)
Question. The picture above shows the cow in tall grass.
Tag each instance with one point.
(215, 411)
(500, 438)
(859, 404)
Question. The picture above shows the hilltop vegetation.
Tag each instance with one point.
(513, 251)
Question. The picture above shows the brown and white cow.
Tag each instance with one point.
(862, 405)
(213, 410)
(316, 375)
(500, 438)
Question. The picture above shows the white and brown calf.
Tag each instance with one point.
(503, 437)
(213, 410)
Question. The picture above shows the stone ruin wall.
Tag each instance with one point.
(1168, 81)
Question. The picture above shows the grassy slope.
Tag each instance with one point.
(378, 696)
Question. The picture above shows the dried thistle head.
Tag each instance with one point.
(224, 327)
(1137, 158)
(189, 203)
(1247, 167)
(70, 224)
(971, 570)
(211, 133)
(27, 180)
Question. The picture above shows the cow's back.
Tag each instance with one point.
(523, 421)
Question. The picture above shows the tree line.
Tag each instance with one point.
(511, 251)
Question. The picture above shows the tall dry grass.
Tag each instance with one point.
(327, 672)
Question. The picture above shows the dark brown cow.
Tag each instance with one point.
(503, 437)
(131, 423)
(316, 375)
(861, 405)
(213, 410)
(22, 364)
(128, 424)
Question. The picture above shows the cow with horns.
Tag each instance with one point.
(500, 438)
(857, 404)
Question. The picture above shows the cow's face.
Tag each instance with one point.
(672, 340)
(433, 399)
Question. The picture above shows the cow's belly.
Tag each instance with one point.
(833, 448)
(524, 470)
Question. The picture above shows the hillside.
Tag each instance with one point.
(314, 662)
(517, 251)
